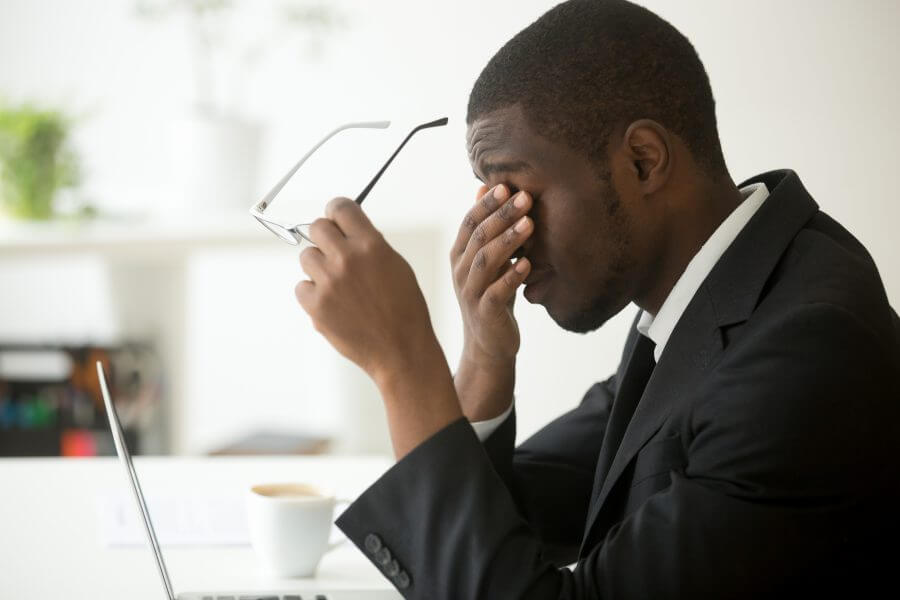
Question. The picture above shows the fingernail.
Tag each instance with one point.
(521, 265)
(521, 200)
(500, 192)
(522, 224)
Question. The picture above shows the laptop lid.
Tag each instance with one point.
(125, 458)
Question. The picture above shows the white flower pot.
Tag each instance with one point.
(214, 162)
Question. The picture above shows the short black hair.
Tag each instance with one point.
(588, 66)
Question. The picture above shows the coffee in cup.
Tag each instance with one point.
(289, 526)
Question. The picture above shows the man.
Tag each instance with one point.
(747, 444)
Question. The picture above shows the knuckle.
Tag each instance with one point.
(488, 202)
(305, 256)
(479, 235)
(506, 211)
(469, 222)
(459, 274)
(480, 261)
(465, 295)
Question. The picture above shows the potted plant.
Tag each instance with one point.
(215, 145)
(36, 161)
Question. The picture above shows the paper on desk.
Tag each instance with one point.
(178, 519)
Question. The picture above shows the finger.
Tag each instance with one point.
(349, 217)
(490, 258)
(484, 206)
(305, 292)
(312, 261)
(500, 293)
(497, 222)
(325, 234)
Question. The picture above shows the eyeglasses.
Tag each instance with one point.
(299, 233)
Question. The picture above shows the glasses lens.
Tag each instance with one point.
(280, 231)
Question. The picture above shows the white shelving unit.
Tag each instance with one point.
(147, 264)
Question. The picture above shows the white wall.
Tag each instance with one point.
(811, 85)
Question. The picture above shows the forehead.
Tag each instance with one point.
(504, 141)
(503, 136)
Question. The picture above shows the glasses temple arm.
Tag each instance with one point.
(368, 188)
(270, 197)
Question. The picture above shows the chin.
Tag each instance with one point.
(587, 319)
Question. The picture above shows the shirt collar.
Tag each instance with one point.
(658, 328)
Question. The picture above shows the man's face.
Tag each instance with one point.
(584, 247)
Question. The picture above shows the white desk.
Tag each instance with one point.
(50, 548)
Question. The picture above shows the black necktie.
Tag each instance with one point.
(630, 390)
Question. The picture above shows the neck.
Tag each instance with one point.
(691, 222)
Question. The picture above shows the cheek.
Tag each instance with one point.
(589, 251)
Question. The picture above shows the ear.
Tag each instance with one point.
(648, 148)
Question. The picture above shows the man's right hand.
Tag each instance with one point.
(486, 280)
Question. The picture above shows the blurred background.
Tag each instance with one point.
(134, 136)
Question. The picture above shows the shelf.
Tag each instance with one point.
(133, 236)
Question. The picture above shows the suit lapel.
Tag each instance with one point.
(632, 382)
(694, 345)
(728, 296)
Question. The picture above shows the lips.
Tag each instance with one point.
(538, 271)
(535, 283)
(535, 277)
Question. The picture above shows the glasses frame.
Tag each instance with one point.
(293, 234)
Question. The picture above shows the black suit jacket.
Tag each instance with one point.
(761, 459)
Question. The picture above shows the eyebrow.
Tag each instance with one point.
(515, 166)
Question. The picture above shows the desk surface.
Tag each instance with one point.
(49, 531)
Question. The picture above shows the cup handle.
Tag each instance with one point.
(343, 539)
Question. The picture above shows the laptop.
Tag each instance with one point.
(304, 593)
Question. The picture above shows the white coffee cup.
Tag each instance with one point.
(289, 526)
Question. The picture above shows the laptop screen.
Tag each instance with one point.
(125, 458)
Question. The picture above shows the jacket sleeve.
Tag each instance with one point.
(787, 464)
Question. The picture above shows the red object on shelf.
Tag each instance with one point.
(77, 442)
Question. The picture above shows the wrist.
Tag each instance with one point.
(419, 365)
(419, 399)
(484, 387)
(474, 359)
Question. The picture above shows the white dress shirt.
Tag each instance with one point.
(659, 327)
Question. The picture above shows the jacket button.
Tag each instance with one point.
(383, 556)
(402, 580)
(373, 543)
(392, 569)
